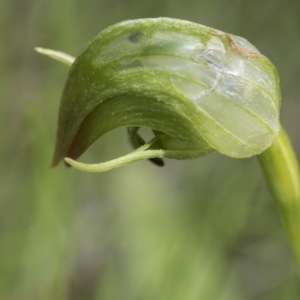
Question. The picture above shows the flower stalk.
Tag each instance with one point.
(281, 170)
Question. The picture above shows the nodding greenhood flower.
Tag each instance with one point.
(198, 88)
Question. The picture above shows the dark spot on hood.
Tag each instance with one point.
(135, 37)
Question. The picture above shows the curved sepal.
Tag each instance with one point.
(204, 89)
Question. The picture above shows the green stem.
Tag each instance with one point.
(280, 166)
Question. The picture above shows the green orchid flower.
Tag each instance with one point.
(199, 89)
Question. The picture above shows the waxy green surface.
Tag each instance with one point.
(205, 89)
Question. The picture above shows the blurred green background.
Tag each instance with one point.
(202, 229)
